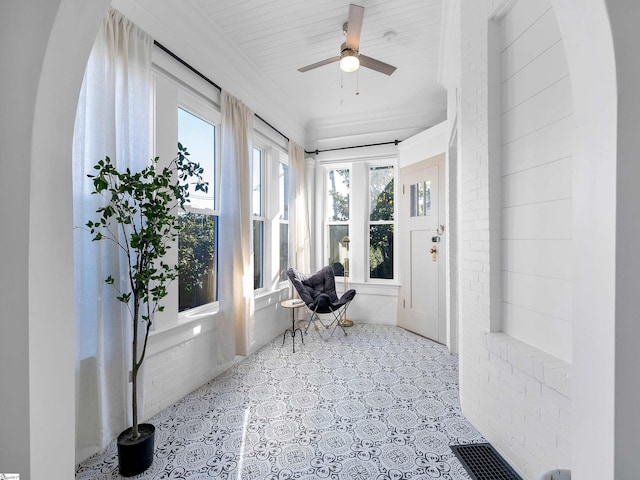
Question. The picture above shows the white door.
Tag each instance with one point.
(421, 305)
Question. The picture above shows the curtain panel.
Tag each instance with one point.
(299, 232)
(112, 120)
(235, 265)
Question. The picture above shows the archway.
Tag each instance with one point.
(590, 54)
(50, 292)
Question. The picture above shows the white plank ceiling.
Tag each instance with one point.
(280, 36)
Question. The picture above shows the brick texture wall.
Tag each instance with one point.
(517, 395)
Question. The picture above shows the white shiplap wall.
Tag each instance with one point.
(536, 138)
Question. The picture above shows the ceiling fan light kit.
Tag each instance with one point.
(349, 61)
(350, 58)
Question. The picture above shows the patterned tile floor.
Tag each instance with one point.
(380, 403)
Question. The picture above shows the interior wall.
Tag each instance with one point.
(515, 393)
(182, 359)
(19, 78)
(536, 158)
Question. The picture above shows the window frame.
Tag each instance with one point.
(206, 111)
(261, 217)
(286, 195)
(372, 165)
(329, 223)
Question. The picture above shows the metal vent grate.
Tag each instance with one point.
(482, 462)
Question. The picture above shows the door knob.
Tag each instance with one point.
(433, 252)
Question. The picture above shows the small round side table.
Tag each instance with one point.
(292, 304)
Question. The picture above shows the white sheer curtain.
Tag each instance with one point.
(299, 233)
(112, 120)
(235, 264)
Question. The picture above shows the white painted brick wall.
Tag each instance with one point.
(517, 395)
(180, 360)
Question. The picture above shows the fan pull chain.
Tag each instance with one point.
(341, 88)
(358, 82)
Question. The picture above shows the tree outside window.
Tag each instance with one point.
(381, 222)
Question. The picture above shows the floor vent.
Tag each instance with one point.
(482, 462)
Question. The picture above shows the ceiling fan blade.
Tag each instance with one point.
(319, 64)
(376, 65)
(354, 25)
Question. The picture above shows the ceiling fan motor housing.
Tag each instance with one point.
(347, 52)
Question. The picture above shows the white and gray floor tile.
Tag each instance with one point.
(380, 403)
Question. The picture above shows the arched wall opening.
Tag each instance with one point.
(590, 54)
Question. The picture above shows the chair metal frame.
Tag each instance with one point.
(321, 301)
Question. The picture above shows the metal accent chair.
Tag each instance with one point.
(318, 292)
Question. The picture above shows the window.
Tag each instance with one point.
(283, 191)
(420, 199)
(197, 243)
(381, 205)
(337, 207)
(257, 209)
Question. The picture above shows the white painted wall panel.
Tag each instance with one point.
(548, 106)
(551, 258)
(549, 296)
(537, 176)
(540, 36)
(550, 181)
(521, 16)
(542, 72)
(551, 142)
(539, 330)
(538, 221)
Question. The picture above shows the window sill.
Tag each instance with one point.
(201, 320)
(370, 288)
(191, 324)
(268, 298)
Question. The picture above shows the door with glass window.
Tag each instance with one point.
(421, 304)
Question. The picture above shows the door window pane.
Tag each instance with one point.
(420, 199)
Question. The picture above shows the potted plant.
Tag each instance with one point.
(139, 217)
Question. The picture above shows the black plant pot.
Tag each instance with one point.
(135, 456)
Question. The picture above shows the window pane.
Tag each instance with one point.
(257, 183)
(337, 249)
(381, 251)
(197, 283)
(283, 188)
(284, 251)
(338, 195)
(199, 137)
(258, 242)
(420, 199)
(381, 181)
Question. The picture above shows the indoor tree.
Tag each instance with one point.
(139, 215)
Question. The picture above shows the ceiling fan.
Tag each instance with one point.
(350, 58)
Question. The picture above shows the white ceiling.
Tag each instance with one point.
(280, 36)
